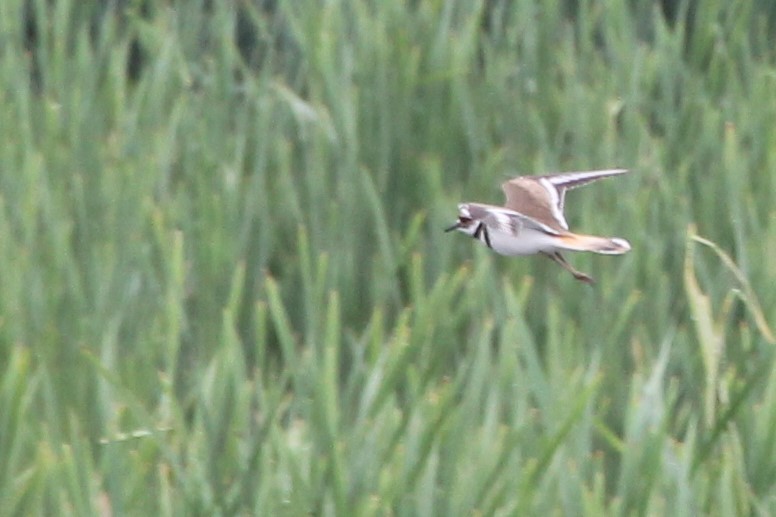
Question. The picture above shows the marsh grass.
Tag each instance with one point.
(224, 288)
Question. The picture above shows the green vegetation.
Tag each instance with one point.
(225, 289)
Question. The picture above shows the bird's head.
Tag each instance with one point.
(465, 223)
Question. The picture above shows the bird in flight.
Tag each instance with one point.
(532, 221)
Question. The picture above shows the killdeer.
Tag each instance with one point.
(532, 220)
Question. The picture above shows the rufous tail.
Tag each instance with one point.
(603, 245)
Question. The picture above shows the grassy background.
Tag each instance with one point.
(224, 288)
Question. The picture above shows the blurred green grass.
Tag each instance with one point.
(224, 286)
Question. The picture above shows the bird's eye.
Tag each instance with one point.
(464, 220)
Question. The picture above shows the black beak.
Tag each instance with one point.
(453, 227)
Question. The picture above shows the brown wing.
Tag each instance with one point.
(535, 199)
(542, 197)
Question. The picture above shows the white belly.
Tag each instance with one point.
(528, 242)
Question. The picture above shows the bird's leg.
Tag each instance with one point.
(557, 257)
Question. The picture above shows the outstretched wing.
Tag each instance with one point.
(569, 180)
(542, 197)
(536, 198)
